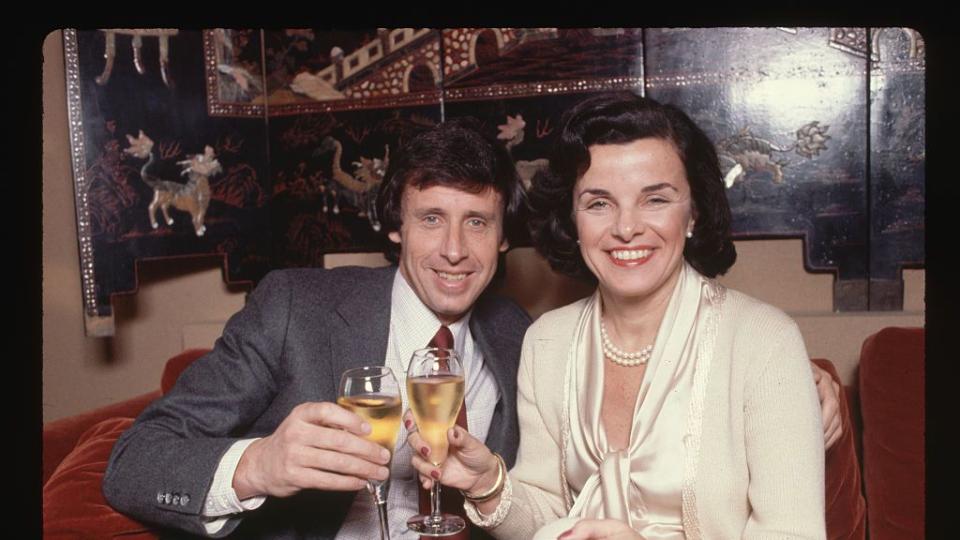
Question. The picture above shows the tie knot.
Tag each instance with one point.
(442, 339)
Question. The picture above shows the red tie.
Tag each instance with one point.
(451, 501)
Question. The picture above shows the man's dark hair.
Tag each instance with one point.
(621, 118)
(454, 154)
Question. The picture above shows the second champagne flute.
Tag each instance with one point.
(372, 393)
(435, 391)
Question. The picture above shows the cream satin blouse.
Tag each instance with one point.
(642, 483)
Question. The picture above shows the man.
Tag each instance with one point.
(250, 442)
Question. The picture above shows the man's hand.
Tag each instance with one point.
(318, 446)
(600, 529)
(829, 392)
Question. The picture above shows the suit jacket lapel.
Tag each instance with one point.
(490, 357)
(364, 317)
(498, 432)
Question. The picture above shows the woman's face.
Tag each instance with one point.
(632, 210)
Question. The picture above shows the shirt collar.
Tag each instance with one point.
(419, 323)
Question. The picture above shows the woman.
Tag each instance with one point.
(663, 406)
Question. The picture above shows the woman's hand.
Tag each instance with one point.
(596, 529)
(470, 466)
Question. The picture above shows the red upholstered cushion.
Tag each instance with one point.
(61, 436)
(853, 402)
(846, 508)
(176, 365)
(892, 407)
(73, 504)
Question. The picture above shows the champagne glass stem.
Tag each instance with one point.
(384, 526)
(379, 491)
(435, 502)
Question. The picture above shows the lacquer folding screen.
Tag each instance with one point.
(266, 147)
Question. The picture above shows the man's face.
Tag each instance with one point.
(449, 244)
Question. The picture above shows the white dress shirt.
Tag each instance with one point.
(412, 326)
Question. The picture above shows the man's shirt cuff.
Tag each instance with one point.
(222, 500)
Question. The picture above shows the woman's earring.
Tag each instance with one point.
(578, 242)
(689, 234)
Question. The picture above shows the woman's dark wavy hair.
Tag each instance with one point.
(455, 154)
(620, 118)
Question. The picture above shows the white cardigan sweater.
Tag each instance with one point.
(757, 467)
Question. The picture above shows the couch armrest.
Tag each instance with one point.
(75, 455)
(846, 509)
(73, 502)
(61, 436)
(892, 405)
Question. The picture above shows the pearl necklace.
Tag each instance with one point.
(620, 357)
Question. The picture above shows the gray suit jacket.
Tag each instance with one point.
(300, 329)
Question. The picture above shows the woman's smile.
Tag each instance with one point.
(631, 256)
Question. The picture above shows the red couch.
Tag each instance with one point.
(885, 409)
(75, 454)
(892, 410)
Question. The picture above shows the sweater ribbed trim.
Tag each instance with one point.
(716, 294)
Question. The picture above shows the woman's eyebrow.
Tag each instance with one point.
(658, 187)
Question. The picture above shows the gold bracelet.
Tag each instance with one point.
(497, 485)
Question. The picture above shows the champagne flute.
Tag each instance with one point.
(372, 393)
(435, 391)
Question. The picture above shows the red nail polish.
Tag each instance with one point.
(408, 423)
(425, 451)
(435, 475)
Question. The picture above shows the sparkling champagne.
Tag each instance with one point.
(382, 412)
(435, 402)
